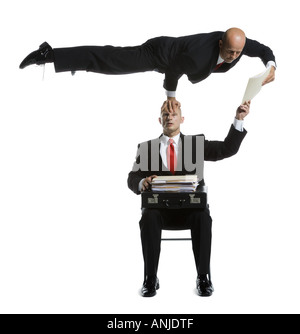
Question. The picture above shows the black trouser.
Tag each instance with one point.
(152, 55)
(102, 59)
(153, 221)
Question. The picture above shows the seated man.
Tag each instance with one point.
(197, 220)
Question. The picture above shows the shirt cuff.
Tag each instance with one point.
(141, 185)
(271, 63)
(171, 93)
(238, 124)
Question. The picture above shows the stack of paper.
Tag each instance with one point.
(254, 85)
(176, 183)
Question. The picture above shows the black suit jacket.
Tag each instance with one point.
(197, 55)
(213, 151)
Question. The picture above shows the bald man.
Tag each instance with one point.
(197, 56)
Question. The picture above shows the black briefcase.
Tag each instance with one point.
(175, 200)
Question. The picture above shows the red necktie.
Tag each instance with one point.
(219, 65)
(171, 156)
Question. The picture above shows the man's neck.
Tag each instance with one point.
(172, 134)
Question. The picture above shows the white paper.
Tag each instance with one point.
(175, 178)
(175, 183)
(254, 85)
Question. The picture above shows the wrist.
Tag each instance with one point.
(238, 124)
(170, 93)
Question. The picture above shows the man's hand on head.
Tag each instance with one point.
(243, 110)
(172, 104)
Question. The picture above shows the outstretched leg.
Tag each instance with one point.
(101, 59)
(104, 59)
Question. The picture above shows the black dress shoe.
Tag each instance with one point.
(150, 285)
(204, 286)
(41, 56)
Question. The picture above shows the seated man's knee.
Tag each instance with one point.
(150, 216)
(150, 213)
(201, 217)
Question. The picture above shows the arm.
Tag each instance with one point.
(218, 150)
(136, 175)
(139, 180)
(171, 79)
(182, 64)
(170, 84)
(256, 49)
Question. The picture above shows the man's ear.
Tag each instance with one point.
(182, 120)
(220, 44)
(159, 119)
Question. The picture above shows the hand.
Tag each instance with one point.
(172, 104)
(243, 110)
(270, 77)
(147, 182)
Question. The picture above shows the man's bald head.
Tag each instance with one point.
(232, 44)
(234, 35)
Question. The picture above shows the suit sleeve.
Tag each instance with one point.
(136, 175)
(256, 49)
(171, 80)
(218, 150)
(181, 64)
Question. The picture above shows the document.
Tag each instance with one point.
(176, 183)
(254, 85)
(175, 178)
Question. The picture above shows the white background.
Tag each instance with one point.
(69, 234)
